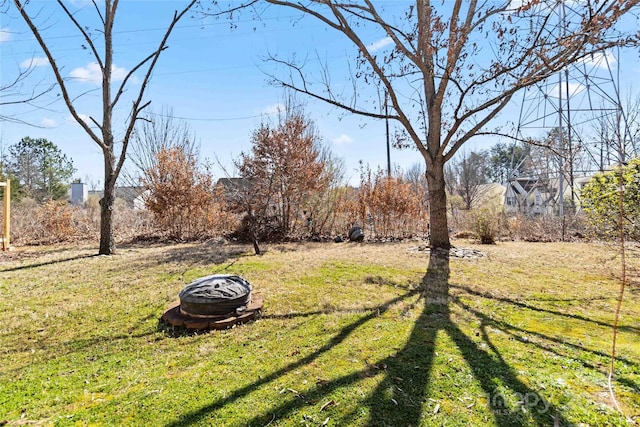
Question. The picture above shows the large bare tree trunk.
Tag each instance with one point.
(438, 223)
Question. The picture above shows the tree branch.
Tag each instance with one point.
(136, 108)
(56, 72)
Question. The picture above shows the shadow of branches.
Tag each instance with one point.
(193, 417)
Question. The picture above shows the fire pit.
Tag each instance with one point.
(214, 302)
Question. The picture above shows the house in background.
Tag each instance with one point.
(538, 196)
(529, 196)
(132, 196)
(489, 196)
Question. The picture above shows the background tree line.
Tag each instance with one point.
(289, 186)
(434, 53)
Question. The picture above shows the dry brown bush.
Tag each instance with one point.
(182, 200)
(49, 222)
(390, 207)
(33, 223)
(288, 177)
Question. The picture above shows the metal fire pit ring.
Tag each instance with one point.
(214, 302)
(218, 294)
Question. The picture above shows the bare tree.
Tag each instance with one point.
(14, 92)
(104, 137)
(452, 67)
(469, 173)
(618, 135)
(158, 132)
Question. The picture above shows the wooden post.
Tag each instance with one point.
(6, 240)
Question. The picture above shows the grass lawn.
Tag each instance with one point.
(518, 337)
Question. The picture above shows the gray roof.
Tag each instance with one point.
(128, 194)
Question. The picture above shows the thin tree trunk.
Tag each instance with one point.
(107, 242)
(253, 231)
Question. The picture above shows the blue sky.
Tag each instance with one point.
(210, 76)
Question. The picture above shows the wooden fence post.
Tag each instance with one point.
(6, 235)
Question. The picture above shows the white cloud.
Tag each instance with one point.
(343, 139)
(91, 73)
(36, 61)
(274, 109)
(84, 117)
(5, 34)
(377, 45)
(574, 89)
(601, 60)
(48, 123)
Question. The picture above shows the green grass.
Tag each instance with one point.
(346, 338)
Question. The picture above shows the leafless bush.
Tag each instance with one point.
(25, 227)
(546, 228)
(49, 222)
(485, 224)
(34, 223)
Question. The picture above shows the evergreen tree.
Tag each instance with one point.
(40, 169)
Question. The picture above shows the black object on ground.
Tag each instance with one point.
(356, 234)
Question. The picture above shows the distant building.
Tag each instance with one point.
(538, 196)
(79, 193)
(133, 196)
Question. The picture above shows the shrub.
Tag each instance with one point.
(486, 223)
(181, 198)
(601, 201)
(390, 206)
(49, 222)
(546, 228)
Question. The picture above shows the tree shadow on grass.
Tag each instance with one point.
(394, 403)
(44, 263)
(196, 416)
(525, 306)
(401, 395)
(519, 334)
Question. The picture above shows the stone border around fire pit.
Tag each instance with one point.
(175, 317)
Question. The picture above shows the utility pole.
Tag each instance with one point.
(386, 119)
